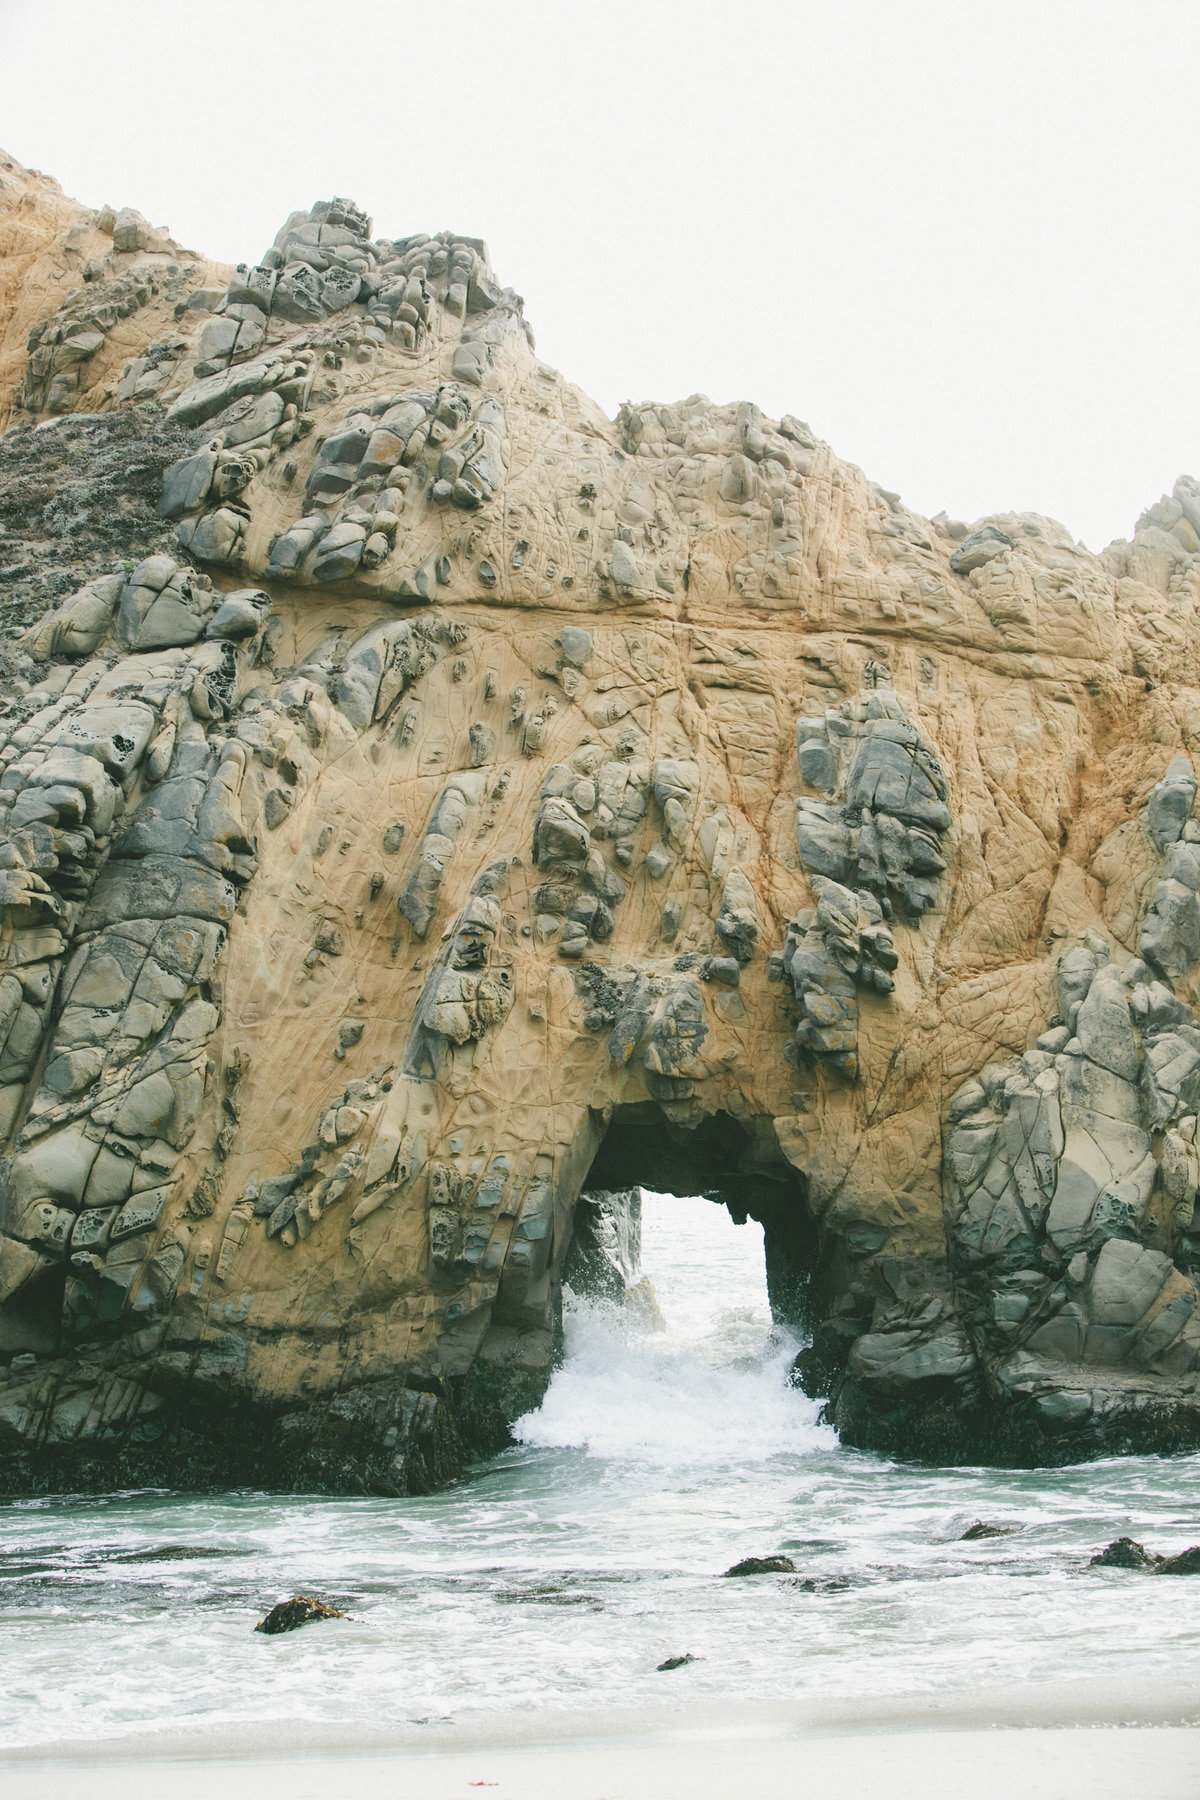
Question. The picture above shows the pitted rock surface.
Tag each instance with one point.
(424, 800)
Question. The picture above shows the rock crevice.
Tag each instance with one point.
(462, 802)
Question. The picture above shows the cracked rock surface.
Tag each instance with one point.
(425, 801)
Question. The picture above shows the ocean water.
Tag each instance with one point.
(563, 1572)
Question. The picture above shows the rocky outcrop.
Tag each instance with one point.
(424, 800)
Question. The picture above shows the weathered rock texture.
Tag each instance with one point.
(424, 798)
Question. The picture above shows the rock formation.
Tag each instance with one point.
(425, 799)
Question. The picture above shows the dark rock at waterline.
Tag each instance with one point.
(1186, 1563)
(1125, 1553)
(763, 1565)
(980, 1529)
(674, 1662)
(545, 1593)
(289, 1615)
(177, 1553)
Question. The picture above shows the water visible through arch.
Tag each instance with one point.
(693, 1371)
(700, 1366)
(738, 1164)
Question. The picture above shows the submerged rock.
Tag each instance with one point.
(178, 1553)
(763, 1565)
(826, 1584)
(980, 1529)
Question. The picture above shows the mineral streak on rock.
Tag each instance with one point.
(424, 800)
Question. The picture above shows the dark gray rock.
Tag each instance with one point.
(762, 1565)
(576, 645)
(1186, 1563)
(186, 484)
(1124, 1553)
(1171, 802)
(980, 548)
(289, 1615)
(738, 922)
(897, 777)
(818, 764)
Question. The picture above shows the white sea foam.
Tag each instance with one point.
(710, 1386)
(564, 1571)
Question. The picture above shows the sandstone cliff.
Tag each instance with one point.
(425, 799)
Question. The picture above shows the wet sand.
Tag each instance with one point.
(1103, 1740)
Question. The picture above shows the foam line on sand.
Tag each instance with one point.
(1108, 1740)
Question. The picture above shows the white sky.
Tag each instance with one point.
(960, 238)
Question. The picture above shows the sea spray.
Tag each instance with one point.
(710, 1386)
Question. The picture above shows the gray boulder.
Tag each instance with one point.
(980, 548)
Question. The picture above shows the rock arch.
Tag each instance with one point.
(465, 792)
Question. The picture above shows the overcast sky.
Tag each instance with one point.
(960, 239)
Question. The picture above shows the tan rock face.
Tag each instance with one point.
(484, 801)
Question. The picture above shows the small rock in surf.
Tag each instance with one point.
(289, 1615)
(1186, 1563)
(763, 1565)
(1125, 1553)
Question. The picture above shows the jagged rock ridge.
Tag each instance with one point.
(449, 801)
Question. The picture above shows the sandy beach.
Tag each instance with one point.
(1105, 1740)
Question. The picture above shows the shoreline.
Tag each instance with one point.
(1085, 1707)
